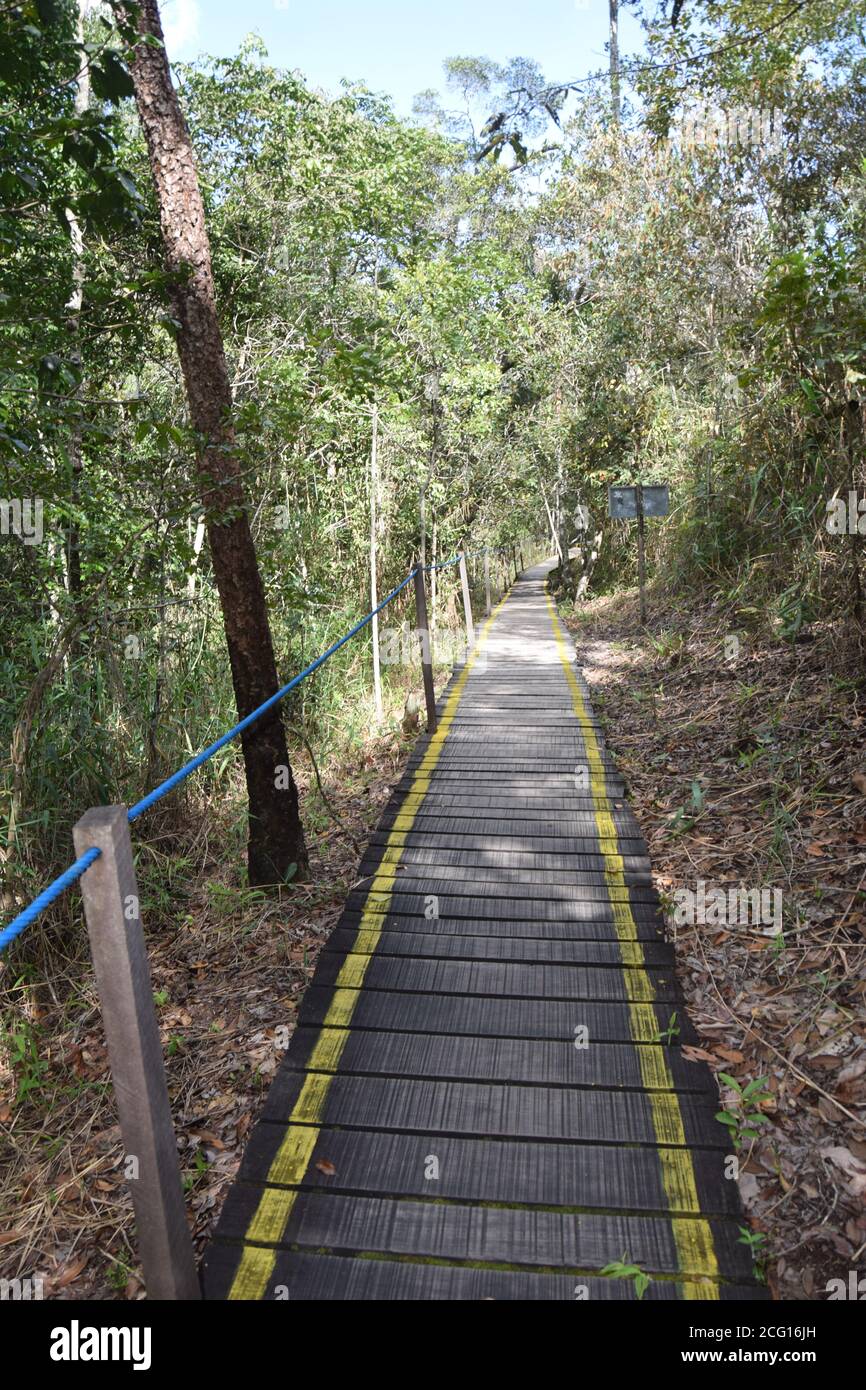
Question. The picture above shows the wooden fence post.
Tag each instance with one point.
(488, 607)
(426, 648)
(467, 602)
(112, 909)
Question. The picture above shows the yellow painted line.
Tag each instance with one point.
(692, 1235)
(293, 1156)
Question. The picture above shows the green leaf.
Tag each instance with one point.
(128, 185)
(519, 148)
(731, 1081)
(758, 1085)
(111, 81)
(48, 11)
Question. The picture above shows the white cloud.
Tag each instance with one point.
(180, 22)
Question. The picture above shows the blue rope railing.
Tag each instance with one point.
(47, 896)
(80, 867)
(467, 555)
(181, 775)
(441, 565)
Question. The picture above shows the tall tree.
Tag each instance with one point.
(614, 59)
(276, 838)
(75, 304)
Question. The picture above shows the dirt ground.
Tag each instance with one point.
(744, 762)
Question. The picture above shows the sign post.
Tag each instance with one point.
(628, 503)
(641, 554)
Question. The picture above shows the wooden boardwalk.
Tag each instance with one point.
(434, 1131)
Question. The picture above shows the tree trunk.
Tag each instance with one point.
(851, 439)
(434, 587)
(588, 563)
(374, 586)
(276, 837)
(73, 325)
(551, 521)
(197, 543)
(431, 391)
(614, 60)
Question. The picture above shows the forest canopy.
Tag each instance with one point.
(530, 290)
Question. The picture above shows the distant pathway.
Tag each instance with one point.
(434, 1131)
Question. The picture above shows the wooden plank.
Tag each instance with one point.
(611, 1065)
(521, 949)
(525, 790)
(112, 910)
(568, 893)
(474, 1016)
(478, 758)
(495, 835)
(479, 867)
(570, 818)
(490, 902)
(465, 763)
(444, 860)
(571, 861)
(508, 901)
(476, 1109)
(303, 1278)
(578, 1177)
(563, 810)
(529, 1237)
(648, 928)
(534, 981)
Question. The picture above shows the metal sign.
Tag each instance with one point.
(639, 502)
(622, 502)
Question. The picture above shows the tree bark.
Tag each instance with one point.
(614, 60)
(374, 556)
(276, 837)
(851, 438)
(74, 306)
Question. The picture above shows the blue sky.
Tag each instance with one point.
(398, 46)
